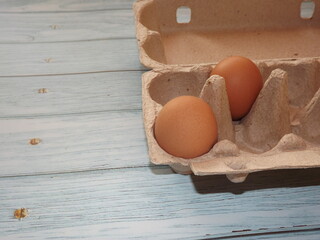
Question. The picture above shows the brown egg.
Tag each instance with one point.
(243, 83)
(186, 127)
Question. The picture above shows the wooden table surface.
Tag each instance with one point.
(70, 79)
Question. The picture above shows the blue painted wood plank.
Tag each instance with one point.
(154, 203)
(96, 92)
(69, 57)
(65, 27)
(15, 6)
(75, 142)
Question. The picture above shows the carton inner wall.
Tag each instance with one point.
(205, 47)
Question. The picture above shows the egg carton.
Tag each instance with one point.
(282, 130)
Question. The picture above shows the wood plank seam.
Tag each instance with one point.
(256, 234)
(75, 73)
(149, 166)
(34, 116)
(66, 11)
(68, 41)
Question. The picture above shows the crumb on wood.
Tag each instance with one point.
(54, 26)
(43, 90)
(34, 141)
(48, 60)
(20, 213)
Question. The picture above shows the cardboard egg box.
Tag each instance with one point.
(181, 40)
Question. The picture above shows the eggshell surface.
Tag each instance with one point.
(243, 83)
(186, 127)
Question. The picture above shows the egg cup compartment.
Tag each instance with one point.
(282, 130)
(170, 85)
(193, 32)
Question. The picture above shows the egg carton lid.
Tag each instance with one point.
(173, 33)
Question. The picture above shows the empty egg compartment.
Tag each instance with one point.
(282, 130)
(190, 32)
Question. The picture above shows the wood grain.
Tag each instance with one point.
(69, 94)
(71, 26)
(72, 143)
(156, 204)
(69, 57)
(62, 5)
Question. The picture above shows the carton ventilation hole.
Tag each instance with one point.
(183, 14)
(307, 8)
